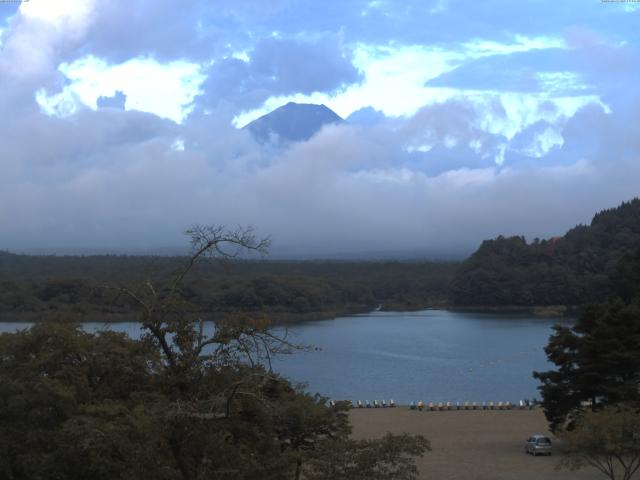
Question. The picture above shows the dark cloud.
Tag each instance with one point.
(278, 67)
(516, 72)
(168, 30)
(304, 67)
(613, 68)
(163, 29)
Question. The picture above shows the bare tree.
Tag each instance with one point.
(189, 343)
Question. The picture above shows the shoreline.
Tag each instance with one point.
(280, 319)
(542, 311)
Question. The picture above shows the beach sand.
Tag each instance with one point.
(474, 445)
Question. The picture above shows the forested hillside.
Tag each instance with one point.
(569, 270)
(33, 286)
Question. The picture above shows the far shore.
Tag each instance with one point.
(543, 311)
(292, 318)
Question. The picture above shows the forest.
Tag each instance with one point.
(569, 270)
(572, 270)
(33, 286)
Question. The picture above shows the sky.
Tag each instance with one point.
(466, 120)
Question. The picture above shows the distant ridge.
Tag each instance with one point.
(570, 270)
(293, 122)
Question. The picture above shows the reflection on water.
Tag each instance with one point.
(433, 355)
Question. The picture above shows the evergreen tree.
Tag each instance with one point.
(598, 359)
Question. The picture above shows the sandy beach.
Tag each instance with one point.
(473, 445)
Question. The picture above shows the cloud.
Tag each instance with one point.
(304, 67)
(348, 189)
(366, 116)
(277, 66)
(526, 125)
(162, 29)
(40, 35)
(400, 79)
(143, 80)
(515, 72)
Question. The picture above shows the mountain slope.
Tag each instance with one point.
(293, 122)
(570, 270)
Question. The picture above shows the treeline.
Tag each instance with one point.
(32, 286)
(569, 270)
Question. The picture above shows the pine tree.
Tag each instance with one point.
(598, 359)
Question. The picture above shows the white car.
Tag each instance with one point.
(538, 445)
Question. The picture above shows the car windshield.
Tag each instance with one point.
(543, 441)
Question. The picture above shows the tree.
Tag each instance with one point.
(608, 440)
(187, 401)
(598, 359)
(68, 397)
(348, 459)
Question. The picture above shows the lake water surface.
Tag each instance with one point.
(433, 355)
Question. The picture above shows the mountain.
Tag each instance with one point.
(569, 270)
(293, 122)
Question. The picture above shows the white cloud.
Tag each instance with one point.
(479, 47)
(40, 33)
(543, 143)
(552, 82)
(165, 89)
(178, 145)
(61, 104)
(72, 15)
(390, 176)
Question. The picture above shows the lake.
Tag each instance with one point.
(433, 355)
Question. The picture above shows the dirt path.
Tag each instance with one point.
(474, 445)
